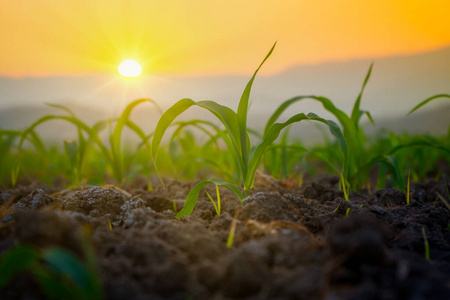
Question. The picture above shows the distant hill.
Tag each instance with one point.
(396, 85)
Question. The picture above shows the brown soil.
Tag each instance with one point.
(290, 243)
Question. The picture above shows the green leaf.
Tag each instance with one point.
(65, 262)
(426, 101)
(227, 116)
(389, 163)
(17, 260)
(62, 107)
(115, 138)
(85, 278)
(420, 143)
(71, 148)
(165, 121)
(357, 113)
(216, 206)
(243, 110)
(273, 133)
(192, 197)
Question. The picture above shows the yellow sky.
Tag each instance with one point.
(208, 37)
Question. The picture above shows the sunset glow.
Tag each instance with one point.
(203, 37)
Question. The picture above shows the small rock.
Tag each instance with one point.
(36, 200)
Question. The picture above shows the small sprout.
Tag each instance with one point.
(230, 238)
(109, 224)
(175, 210)
(407, 187)
(300, 181)
(347, 212)
(14, 175)
(216, 206)
(343, 183)
(426, 244)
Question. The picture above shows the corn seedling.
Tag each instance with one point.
(347, 212)
(426, 245)
(116, 154)
(230, 238)
(428, 100)
(175, 210)
(14, 175)
(344, 187)
(217, 206)
(236, 126)
(78, 152)
(8, 167)
(209, 154)
(407, 187)
(59, 273)
(354, 155)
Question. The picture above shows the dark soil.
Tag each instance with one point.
(290, 242)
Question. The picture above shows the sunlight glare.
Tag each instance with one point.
(130, 68)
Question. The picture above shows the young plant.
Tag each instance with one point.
(426, 245)
(357, 157)
(236, 126)
(77, 153)
(59, 273)
(209, 154)
(407, 187)
(8, 166)
(230, 238)
(280, 159)
(428, 100)
(116, 154)
(217, 206)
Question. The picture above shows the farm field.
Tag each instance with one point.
(204, 210)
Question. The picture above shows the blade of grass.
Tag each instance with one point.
(356, 112)
(274, 131)
(426, 245)
(426, 101)
(407, 187)
(217, 206)
(15, 261)
(243, 110)
(227, 116)
(192, 197)
(115, 138)
(230, 238)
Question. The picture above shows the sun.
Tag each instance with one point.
(130, 68)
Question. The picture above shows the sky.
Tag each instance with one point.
(207, 37)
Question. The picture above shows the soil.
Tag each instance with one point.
(290, 242)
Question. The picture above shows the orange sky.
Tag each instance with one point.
(208, 37)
